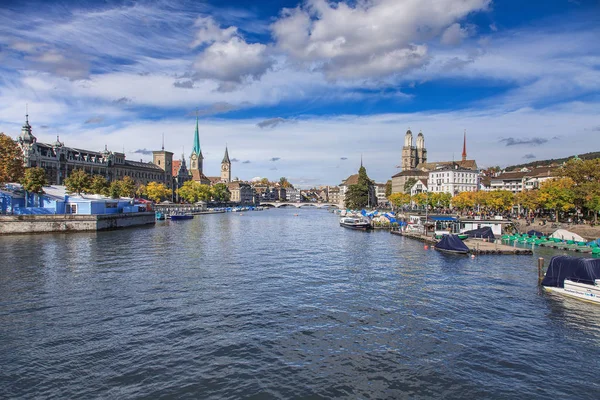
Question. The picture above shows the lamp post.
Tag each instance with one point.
(426, 209)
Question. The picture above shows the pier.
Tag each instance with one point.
(476, 246)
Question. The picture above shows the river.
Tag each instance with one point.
(270, 304)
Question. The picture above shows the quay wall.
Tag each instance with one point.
(15, 224)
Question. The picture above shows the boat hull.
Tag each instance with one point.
(358, 227)
(452, 251)
(181, 217)
(581, 291)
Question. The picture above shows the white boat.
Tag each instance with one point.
(574, 277)
(355, 223)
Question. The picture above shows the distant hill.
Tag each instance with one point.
(558, 161)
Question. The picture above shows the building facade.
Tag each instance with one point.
(453, 180)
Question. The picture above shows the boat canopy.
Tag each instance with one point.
(584, 270)
(566, 235)
(452, 243)
(483, 233)
(535, 233)
(441, 218)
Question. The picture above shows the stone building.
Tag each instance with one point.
(413, 155)
(58, 161)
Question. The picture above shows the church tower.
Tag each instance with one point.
(196, 159)
(464, 153)
(421, 150)
(226, 167)
(409, 153)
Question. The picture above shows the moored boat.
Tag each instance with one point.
(574, 277)
(452, 244)
(355, 223)
(177, 217)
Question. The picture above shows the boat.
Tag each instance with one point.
(355, 223)
(451, 244)
(461, 236)
(574, 277)
(177, 217)
(160, 216)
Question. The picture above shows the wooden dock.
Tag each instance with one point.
(476, 246)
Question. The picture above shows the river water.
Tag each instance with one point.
(273, 305)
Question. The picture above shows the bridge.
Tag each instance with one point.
(297, 205)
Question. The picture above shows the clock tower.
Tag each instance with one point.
(226, 168)
(196, 157)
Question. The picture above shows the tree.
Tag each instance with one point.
(77, 181)
(499, 200)
(264, 181)
(557, 195)
(204, 192)
(98, 185)
(34, 180)
(188, 191)
(11, 160)
(464, 201)
(592, 203)
(421, 199)
(586, 182)
(358, 195)
(388, 188)
(528, 199)
(114, 189)
(283, 182)
(127, 187)
(399, 199)
(410, 182)
(157, 191)
(220, 192)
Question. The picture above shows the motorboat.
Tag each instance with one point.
(451, 244)
(574, 277)
(160, 216)
(355, 223)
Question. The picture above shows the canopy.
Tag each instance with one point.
(484, 233)
(439, 218)
(566, 235)
(585, 270)
(452, 243)
(535, 233)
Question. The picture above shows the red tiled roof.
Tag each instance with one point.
(176, 166)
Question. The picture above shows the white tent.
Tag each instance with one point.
(566, 235)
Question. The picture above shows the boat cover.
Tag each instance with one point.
(585, 270)
(535, 233)
(566, 235)
(451, 243)
(484, 233)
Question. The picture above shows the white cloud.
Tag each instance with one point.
(454, 35)
(210, 32)
(376, 38)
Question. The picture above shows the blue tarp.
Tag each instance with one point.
(483, 233)
(584, 270)
(452, 243)
(535, 233)
(436, 218)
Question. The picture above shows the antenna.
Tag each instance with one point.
(27, 112)
(163, 141)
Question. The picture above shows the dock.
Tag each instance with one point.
(476, 246)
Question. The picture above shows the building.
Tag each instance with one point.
(523, 179)
(416, 167)
(353, 180)
(453, 180)
(380, 194)
(420, 186)
(197, 160)
(241, 192)
(226, 167)
(293, 195)
(58, 161)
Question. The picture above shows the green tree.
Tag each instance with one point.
(188, 191)
(585, 175)
(220, 192)
(264, 181)
(77, 181)
(284, 183)
(157, 191)
(128, 187)
(11, 160)
(499, 200)
(204, 192)
(34, 181)
(98, 185)
(421, 199)
(114, 189)
(410, 182)
(388, 188)
(359, 195)
(557, 195)
(140, 190)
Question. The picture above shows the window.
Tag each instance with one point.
(71, 209)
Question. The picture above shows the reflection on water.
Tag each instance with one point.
(267, 304)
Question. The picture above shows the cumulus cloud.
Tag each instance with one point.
(529, 156)
(209, 32)
(272, 122)
(275, 159)
(536, 141)
(369, 39)
(144, 151)
(454, 35)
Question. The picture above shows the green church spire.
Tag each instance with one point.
(196, 148)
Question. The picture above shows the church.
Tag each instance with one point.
(415, 166)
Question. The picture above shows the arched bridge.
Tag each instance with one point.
(297, 205)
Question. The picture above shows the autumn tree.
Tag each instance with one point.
(284, 183)
(140, 190)
(11, 160)
(464, 201)
(585, 175)
(528, 199)
(34, 180)
(158, 191)
(499, 200)
(558, 195)
(399, 199)
(98, 185)
(188, 191)
(388, 188)
(78, 181)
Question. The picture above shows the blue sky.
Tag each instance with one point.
(301, 89)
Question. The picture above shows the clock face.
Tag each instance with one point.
(193, 156)
(225, 167)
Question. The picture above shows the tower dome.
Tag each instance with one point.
(26, 135)
(408, 139)
(420, 141)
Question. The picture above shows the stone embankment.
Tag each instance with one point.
(18, 224)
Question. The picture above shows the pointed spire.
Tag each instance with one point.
(27, 113)
(464, 153)
(361, 163)
(196, 148)
(163, 142)
(226, 157)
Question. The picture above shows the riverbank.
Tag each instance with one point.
(26, 224)
(585, 231)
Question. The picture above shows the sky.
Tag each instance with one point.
(302, 89)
